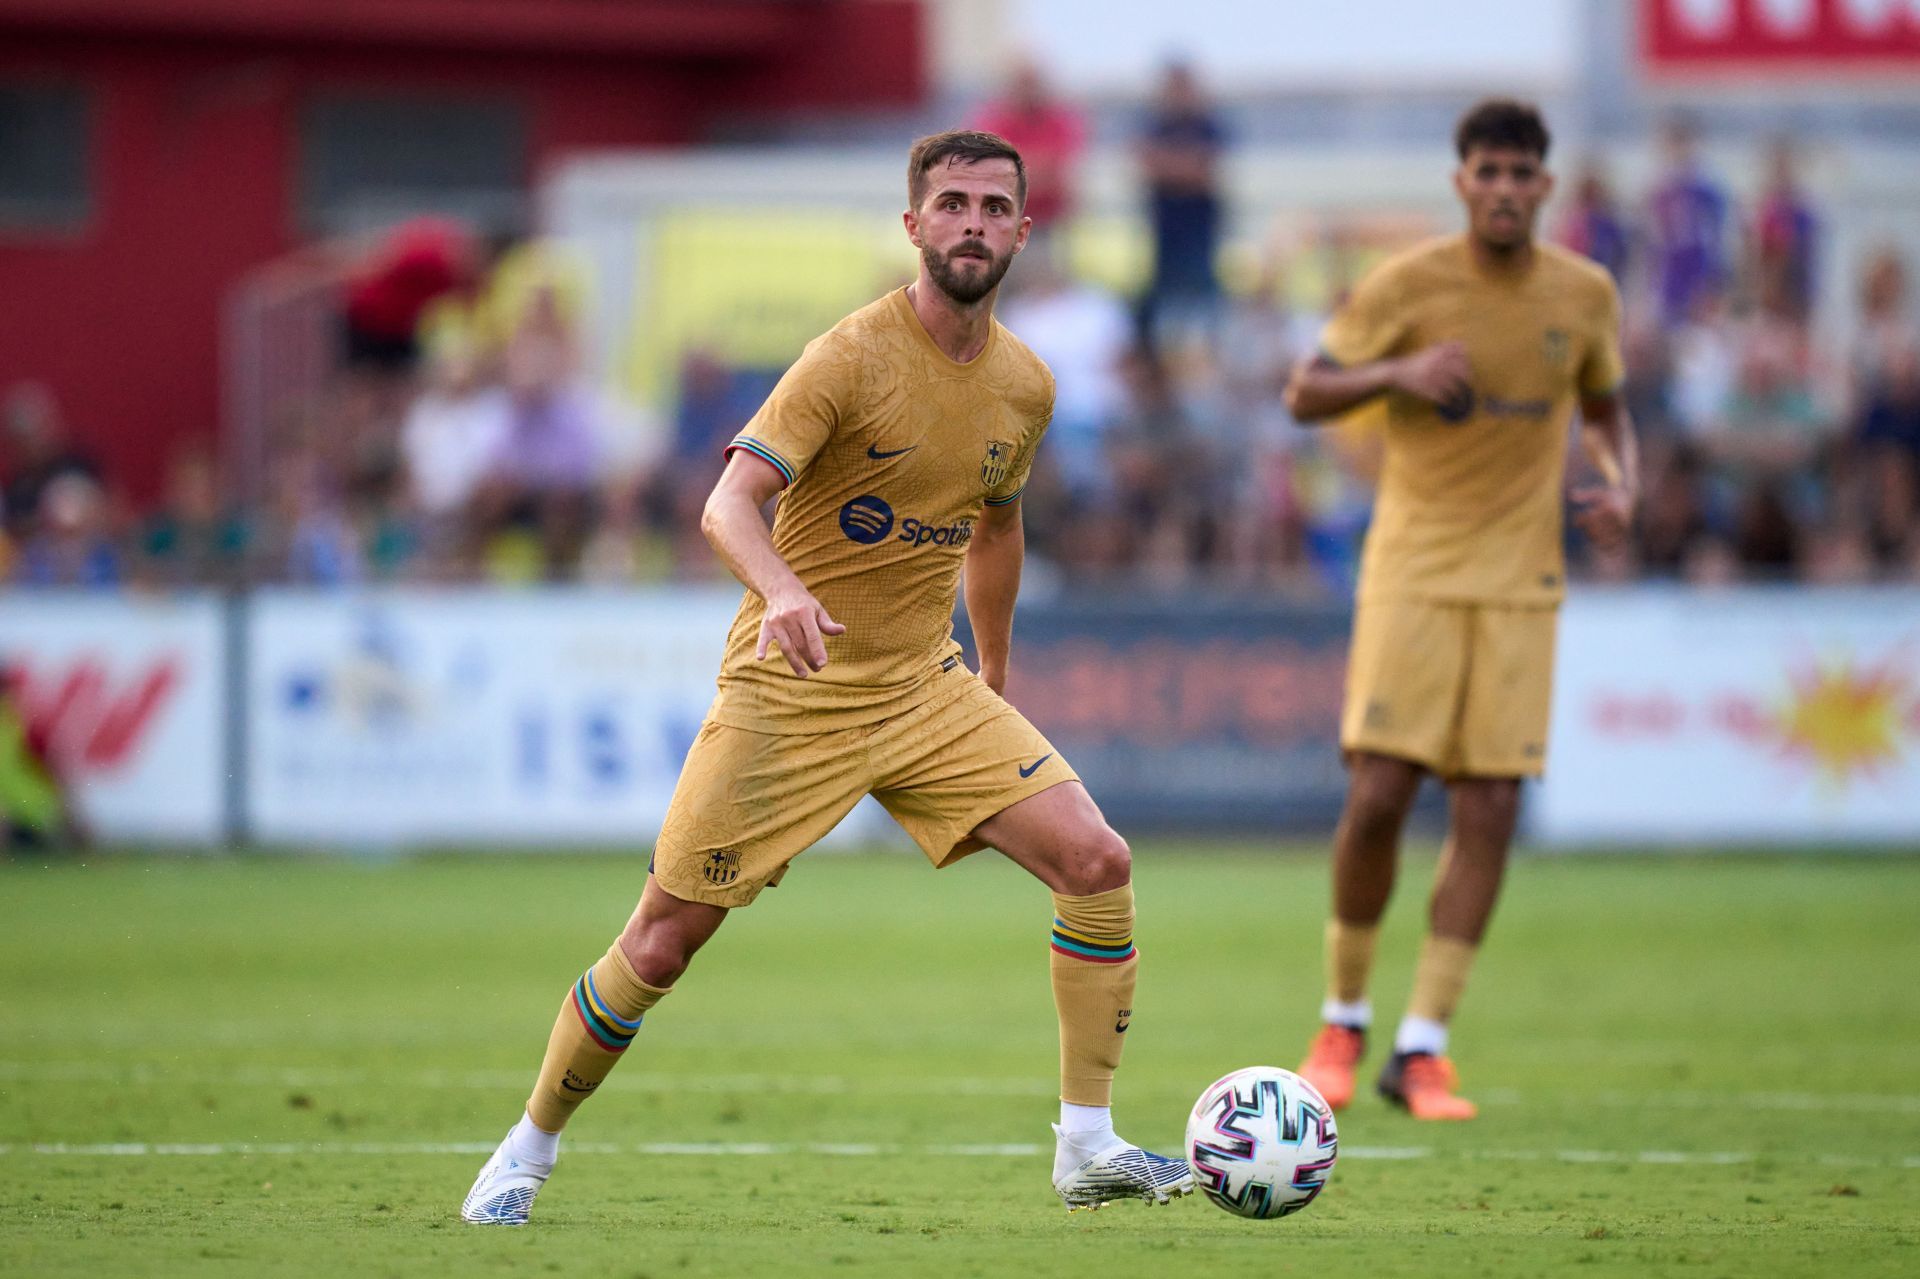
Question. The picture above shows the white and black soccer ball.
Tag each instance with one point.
(1262, 1142)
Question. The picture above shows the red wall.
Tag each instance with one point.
(195, 150)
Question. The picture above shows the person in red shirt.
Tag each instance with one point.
(416, 263)
(1049, 134)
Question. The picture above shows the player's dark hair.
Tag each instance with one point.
(1503, 123)
(967, 146)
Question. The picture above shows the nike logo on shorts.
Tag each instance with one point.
(878, 456)
(1034, 767)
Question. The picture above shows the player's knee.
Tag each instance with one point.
(1102, 862)
(1376, 811)
(1491, 805)
(658, 954)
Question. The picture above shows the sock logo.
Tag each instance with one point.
(722, 866)
(574, 1083)
(1123, 1021)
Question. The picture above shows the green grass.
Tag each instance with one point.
(1687, 1066)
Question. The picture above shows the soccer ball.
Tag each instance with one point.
(1261, 1142)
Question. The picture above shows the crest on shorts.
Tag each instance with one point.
(1558, 346)
(999, 460)
(722, 866)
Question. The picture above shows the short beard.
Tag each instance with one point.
(964, 289)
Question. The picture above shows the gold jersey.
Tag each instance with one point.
(890, 450)
(1469, 503)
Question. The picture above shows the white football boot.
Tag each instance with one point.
(1120, 1171)
(504, 1190)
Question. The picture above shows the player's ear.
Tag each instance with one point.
(1026, 230)
(1546, 184)
(911, 220)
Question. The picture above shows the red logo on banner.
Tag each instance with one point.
(88, 723)
(1782, 37)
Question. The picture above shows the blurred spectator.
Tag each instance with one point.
(1890, 504)
(1891, 415)
(193, 537)
(34, 812)
(1673, 515)
(1888, 336)
(1082, 332)
(1688, 224)
(1704, 366)
(453, 432)
(1783, 237)
(415, 264)
(1777, 416)
(1765, 534)
(1593, 225)
(541, 479)
(38, 452)
(1180, 150)
(315, 544)
(72, 541)
(1049, 134)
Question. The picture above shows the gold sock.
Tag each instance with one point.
(1094, 964)
(600, 1017)
(1440, 977)
(1349, 959)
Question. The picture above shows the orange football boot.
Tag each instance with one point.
(1335, 1051)
(1423, 1084)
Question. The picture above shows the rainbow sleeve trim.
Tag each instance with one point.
(609, 1029)
(1011, 497)
(1095, 950)
(765, 453)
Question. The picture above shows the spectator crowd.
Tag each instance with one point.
(460, 440)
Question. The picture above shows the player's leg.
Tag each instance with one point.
(598, 1020)
(1465, 889)
(972, 773)
(1366, 857)
(1503, 717)
(745, 805)
(1060, 837)
(1405, 669)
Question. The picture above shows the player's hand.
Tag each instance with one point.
(796, 622)
(995, 678)
(1441, 375)
(1604, 512)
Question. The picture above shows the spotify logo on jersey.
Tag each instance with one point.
(866, 519)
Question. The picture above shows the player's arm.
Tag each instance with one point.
(994, 557)
(1604, 511)
(733, 525)
(1319, 389)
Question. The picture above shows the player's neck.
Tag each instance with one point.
(959, 329)
(1501, 259)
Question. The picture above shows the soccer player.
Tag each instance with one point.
(899, 444)
(1477, 347)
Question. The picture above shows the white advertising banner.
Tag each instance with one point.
(1739, 716)
(530, 718)
(129, 692)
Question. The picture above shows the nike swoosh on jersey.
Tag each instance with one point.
(878, 456)
(1034, 767)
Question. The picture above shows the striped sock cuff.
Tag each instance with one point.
(1095, 950)
(609, 1029)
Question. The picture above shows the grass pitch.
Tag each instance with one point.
(261, 1067)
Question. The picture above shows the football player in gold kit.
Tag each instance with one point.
(1477, 347)
(898, 445)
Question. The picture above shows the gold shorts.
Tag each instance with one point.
(748, 803)
(1465, 689)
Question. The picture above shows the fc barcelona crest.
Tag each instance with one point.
(722, 866)
(1559, 344)
(999, 460)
